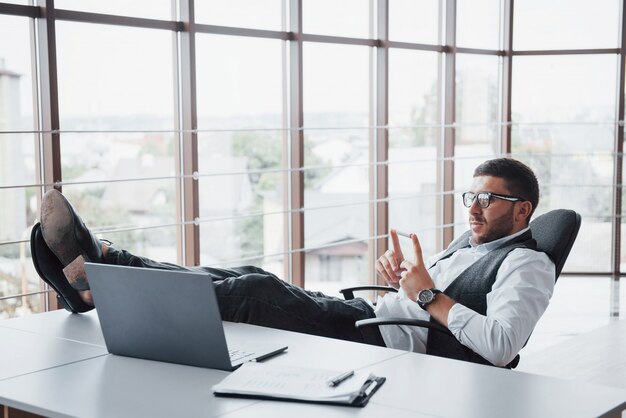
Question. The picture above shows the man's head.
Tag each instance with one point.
(502, 199)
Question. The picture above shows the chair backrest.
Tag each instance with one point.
(555, 233)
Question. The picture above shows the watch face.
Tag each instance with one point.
(425, 296)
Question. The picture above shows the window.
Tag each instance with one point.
(178, 142)
(18, 170)
(316, 18)
(536, 20)
(414, 134)
(151, 9)
(240, 151)
(415, 21)
(117, 117)
(257, 14)
(336, 163)
(568, 135)
(478, 23)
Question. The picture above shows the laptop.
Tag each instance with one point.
(169, 316)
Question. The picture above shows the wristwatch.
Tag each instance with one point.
(426, 297)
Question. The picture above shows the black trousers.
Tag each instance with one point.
(252, 295)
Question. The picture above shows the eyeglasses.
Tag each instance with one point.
(484, 198)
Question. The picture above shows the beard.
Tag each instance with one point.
(497, 228)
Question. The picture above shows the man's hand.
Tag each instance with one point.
(415, 277)
(388, 265)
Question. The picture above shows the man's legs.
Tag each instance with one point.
(252, 295)
(245, 294)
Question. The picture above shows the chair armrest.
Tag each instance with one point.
(348, 292)
(402, 321)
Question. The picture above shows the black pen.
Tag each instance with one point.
(336, 381)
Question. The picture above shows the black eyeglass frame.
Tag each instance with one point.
(490, 198)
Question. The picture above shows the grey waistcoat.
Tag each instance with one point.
(470, 289)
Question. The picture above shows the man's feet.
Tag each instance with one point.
(50, 270)
(69, 239)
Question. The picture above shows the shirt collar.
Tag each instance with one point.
(488, 246)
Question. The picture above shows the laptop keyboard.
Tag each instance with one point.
(238, 354)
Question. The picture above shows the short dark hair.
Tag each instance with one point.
(519, 178)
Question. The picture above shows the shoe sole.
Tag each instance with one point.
(50, 268)
(58, 234)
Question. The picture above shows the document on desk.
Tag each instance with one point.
(265, 381)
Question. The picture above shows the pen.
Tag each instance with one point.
(404, 234)
(336, 381)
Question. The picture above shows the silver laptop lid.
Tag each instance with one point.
(162, 315)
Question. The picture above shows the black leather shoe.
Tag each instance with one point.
(68, 238)
(50, 270)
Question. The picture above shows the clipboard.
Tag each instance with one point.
(297, 384)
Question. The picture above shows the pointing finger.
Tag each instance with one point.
(419, 260)
(396, 245)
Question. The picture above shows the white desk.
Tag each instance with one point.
(61, 324)
(596, 357)
(417, 385)
(452, 388)
(22, 352)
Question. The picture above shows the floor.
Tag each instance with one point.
(579, 304)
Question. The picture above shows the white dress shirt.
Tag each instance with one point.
(519, 296)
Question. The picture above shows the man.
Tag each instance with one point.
(489, 288)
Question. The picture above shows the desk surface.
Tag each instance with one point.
(23, 352)
(599, 356)
(72, 382)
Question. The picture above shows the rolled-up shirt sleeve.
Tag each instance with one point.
(519, 297)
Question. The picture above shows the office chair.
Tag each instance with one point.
(555, 233)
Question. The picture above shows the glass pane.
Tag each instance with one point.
(120, 210)
(18, 205)
(243, 226)
(17, 159)
(622, 297)
(245, 223)
(477, 98)
(566, 24)
(18, 210)
(477, 114)
(413, 88)
(413, 198)
(225, 242)
(130, 223)
(414, 21)
(413, 170)
(24, 2)
(149, 9)
(338, 18)
(577, 88)
(16, 91)
(336, 85)
(154, 243)
(256, 14)
(478, 24)
(336, 199)
(18, 276)
(623, 242)
(336, 168)
(574, 165)
(89, 157)
(336, 239)
(105, 84)
(246, 89)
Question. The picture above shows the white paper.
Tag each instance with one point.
(291, 383)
